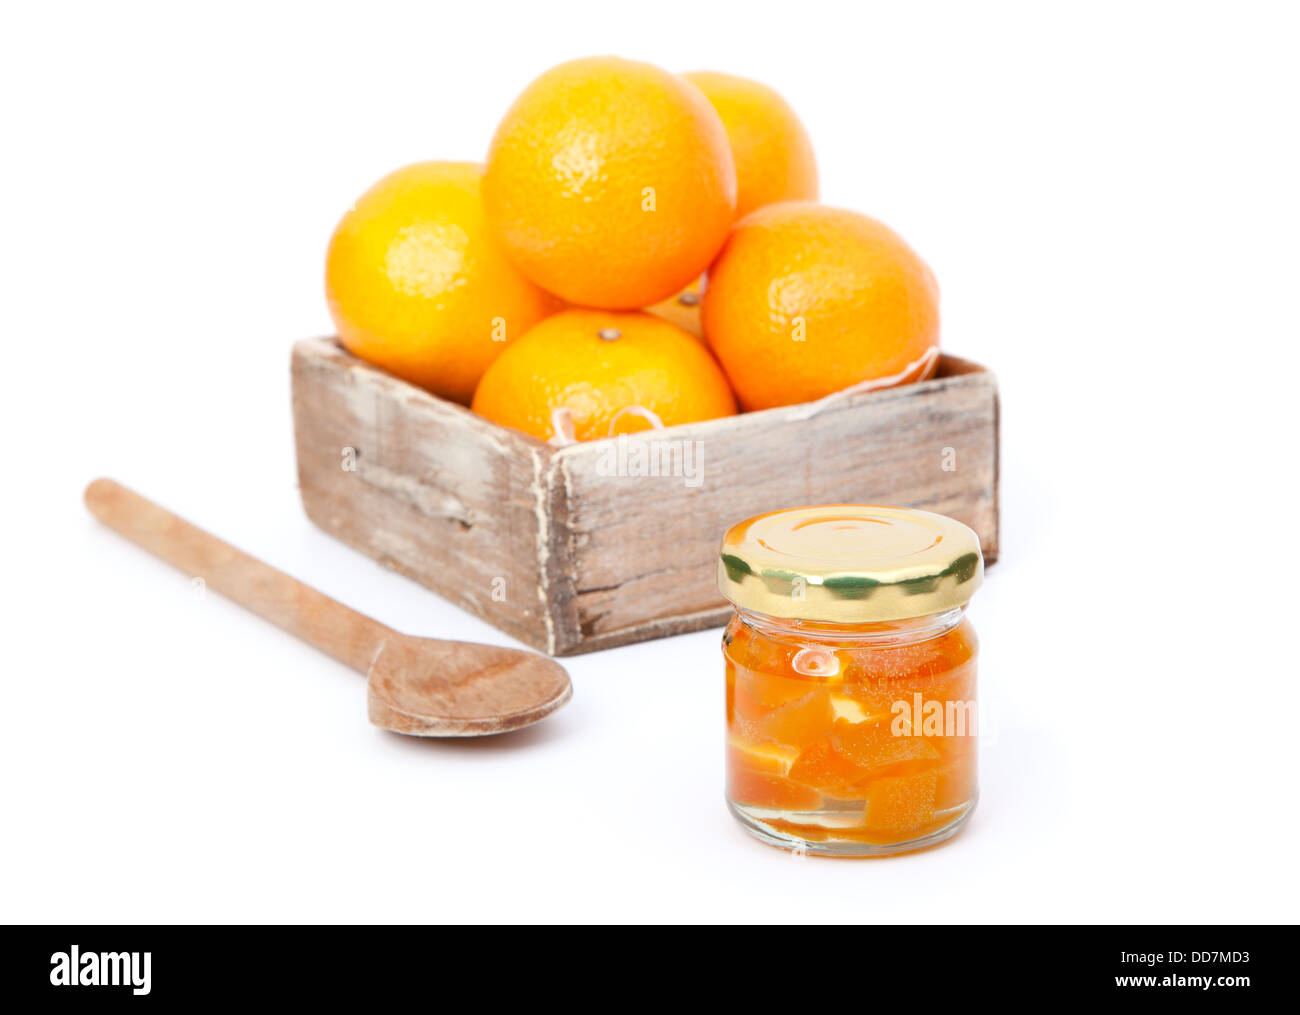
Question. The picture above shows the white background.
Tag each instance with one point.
(1109, 199)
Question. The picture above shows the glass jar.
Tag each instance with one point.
(851, 704)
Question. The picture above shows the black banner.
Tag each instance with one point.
(919, 965)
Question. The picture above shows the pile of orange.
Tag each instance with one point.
(641, 248)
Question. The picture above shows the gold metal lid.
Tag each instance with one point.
(850, 563)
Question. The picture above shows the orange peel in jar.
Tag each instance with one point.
(797, 723)
(772, 792)
(899, 805)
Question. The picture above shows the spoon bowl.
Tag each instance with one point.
(429, 688)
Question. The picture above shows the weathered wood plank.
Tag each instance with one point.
(593, 554)
(646, 546)
(436, 492)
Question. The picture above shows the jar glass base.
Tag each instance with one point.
(765, 833)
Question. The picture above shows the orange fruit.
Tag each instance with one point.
(417, 285)
(774, 158)
(605, 367)
(806, 300)
(682, 309)
(611, 182)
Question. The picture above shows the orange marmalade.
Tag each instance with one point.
(851, 699)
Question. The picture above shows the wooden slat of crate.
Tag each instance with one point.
(589, 559)
(435, 493)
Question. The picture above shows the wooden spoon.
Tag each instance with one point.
(420, 686)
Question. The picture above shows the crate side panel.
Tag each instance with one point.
(427, 489)
(645, 547)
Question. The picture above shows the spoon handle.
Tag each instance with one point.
(348, 636)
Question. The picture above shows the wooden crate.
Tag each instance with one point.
(569, 549)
